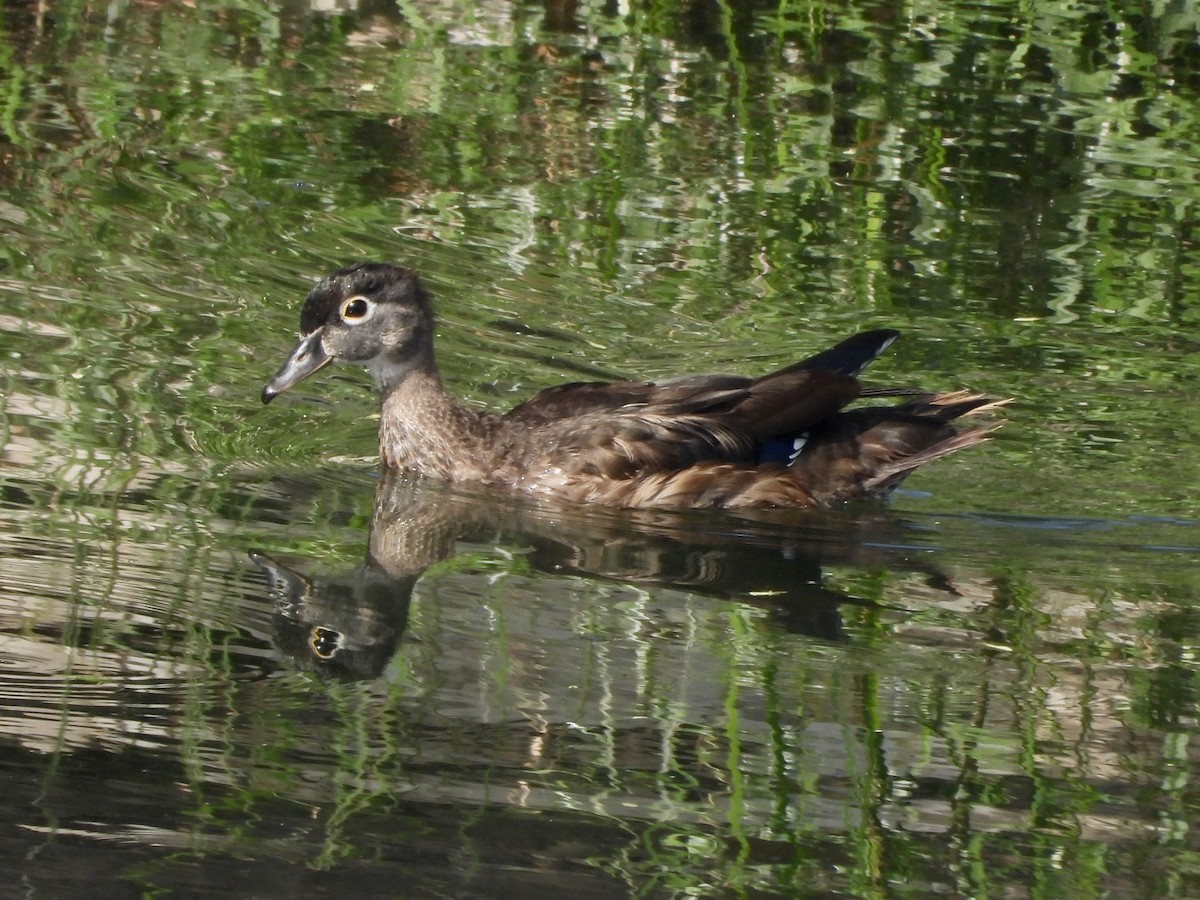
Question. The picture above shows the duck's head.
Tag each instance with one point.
(373, 314)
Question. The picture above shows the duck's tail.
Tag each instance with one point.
(867, 452)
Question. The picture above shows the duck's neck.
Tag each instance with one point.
(424, 429)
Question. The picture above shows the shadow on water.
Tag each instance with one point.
(349, 625)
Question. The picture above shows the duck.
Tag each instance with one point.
(789, 438)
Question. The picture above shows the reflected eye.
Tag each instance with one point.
(355, 309)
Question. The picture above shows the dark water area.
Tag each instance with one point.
(236, 661)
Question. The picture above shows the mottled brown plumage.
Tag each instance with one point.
(785, 439)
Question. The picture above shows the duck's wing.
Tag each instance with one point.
(617, 430)
(584, 398)
(621, 430)
(625, 433)
(764, 403)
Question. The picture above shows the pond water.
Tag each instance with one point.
(235, 661)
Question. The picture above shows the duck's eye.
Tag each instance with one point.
(355, 309)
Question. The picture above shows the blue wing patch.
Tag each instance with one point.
(784, 451)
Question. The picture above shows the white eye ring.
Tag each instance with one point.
(356, 309)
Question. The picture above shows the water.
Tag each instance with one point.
(235, 661)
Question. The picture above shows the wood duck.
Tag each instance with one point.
(784, 439)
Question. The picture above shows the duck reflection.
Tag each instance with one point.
(348, 626)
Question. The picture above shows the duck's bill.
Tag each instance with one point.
(306, 358)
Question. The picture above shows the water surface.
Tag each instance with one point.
(233, 660)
